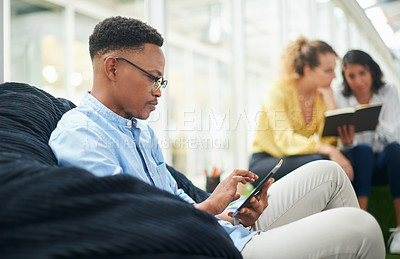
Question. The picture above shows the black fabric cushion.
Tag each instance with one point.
(28, 115)
(55, 212)
(48, 211)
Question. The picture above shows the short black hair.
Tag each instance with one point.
(119, 33)
(360, 57)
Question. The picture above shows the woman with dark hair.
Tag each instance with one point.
(375, 154)
(292, 117)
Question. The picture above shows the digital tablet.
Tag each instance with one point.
(259, 187)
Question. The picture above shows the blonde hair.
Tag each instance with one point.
(301, 53)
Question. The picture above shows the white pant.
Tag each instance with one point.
(313, 213)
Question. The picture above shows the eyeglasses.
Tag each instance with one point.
(159, 81)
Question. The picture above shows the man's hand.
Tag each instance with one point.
(252, 211)
(226, 192)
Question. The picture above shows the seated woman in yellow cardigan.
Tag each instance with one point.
(292, 117)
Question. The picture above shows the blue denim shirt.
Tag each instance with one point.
(94, 138)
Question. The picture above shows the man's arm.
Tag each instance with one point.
(197, 194)
(84, 149)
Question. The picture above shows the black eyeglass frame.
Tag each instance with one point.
(159, 81)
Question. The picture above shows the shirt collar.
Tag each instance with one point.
(105, 112)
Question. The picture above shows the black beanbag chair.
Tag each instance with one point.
(47, 211)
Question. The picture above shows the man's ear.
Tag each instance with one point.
(110, 66)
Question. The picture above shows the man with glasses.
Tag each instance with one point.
(107, 135)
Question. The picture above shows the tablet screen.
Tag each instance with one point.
(259, 187)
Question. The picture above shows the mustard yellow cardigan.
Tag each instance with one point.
(282, 130)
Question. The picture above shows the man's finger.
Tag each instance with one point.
(243, 179)
(242, 172)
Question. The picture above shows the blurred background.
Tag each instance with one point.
(221, 55)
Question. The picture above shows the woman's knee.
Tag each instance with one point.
(260, 161)
(363, 150)
(393, 149)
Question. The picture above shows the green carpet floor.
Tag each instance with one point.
(381, 206)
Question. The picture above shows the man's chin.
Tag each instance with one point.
(144, 116)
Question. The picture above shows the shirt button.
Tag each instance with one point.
(129, 123)
(151, 174)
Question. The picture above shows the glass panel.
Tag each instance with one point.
(82, 75)
(262, 30)
(199, 63)
(354, 35)
(38, 38)
(340, 40)
(37, 48)
(298, 15)
(322, 20)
